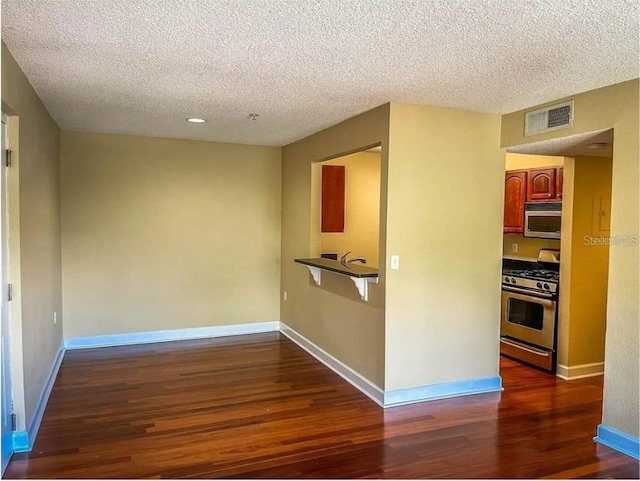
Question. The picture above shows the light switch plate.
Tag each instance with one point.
(395, 262)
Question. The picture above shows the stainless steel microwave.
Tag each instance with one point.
(542, 219)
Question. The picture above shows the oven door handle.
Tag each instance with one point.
(518, 290)
(519, 345)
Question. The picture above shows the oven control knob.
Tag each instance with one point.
(513, 281)
(546, 286)
(539, 285)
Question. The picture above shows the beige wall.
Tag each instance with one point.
(444, 220)
(615, 107)
(362, 207)
(35, 139)
(527, 246)
(167, 234)
(584, 275)
(332, 315)
(528, 161)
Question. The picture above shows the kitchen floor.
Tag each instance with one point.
(258, 406)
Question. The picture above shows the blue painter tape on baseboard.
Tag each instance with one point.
(170, 335)
(442, 390)
(618, 440)
(21, 442)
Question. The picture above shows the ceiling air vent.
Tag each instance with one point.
(550, 118)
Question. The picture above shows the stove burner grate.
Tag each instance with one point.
(535, 274)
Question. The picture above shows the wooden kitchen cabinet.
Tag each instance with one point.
(541, 184)
(559, 179)
(515, 188)
(333, 197)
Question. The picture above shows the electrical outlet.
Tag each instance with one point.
(514, 247)
(55, 317)
(284, 295)
(395, 262)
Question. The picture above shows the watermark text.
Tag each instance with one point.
(616, 240)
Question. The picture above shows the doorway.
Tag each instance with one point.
(586, 162)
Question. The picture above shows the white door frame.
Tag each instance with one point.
(5, 345)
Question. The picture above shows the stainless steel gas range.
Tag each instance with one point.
(529, 313)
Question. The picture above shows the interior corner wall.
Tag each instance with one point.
(444, 219)
(332, 316)
(161, 234)
(617, 107)
(39, 289)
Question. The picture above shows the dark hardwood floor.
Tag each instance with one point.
(258, 406)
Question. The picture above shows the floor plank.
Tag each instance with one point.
(258, 406)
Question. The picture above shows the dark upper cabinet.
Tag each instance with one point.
(333, 198)
(528, 185)
(559, 178)
(515, 188)
(541, 184)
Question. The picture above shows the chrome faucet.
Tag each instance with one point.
(346, 263)
(357, 259)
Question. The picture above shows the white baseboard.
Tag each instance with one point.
(364, 385)
(580, 371)
(345, 372)
(170, 335)
(400, 397)
(23, 440)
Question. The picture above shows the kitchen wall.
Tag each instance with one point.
(584, 274)
(332, 316)
(444, 220)
(34, 238)
(167, 234)
(528, 246)
(617, 107)
(528, 161)
(362, 207)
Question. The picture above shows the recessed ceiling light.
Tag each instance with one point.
(254, 116)
(195, 120)
(597, 145)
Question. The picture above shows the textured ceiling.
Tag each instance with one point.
(571, 145)
(142, 66)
